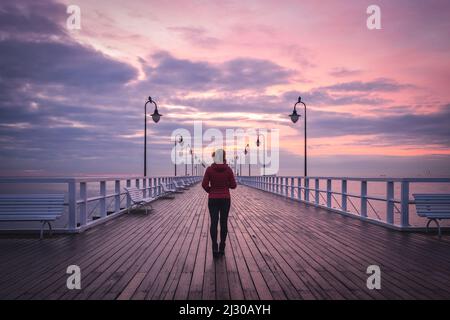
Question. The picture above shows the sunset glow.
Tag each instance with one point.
(231, 64)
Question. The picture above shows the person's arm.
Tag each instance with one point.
(231, 180)
(205, 182)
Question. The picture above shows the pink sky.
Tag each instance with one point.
(322, 42)
(379, 93)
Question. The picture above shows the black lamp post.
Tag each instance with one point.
(264, 151)
(246, 151)
(294, 117)
(155, 116)
(180, 141)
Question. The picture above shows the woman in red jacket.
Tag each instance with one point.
(217, 181)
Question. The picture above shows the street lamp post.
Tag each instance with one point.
(180, 141)
(155, 116)
(246, 151)
(294, 117)
(264, 151)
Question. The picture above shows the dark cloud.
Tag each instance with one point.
(31, 20)
(401, 129)
(181, 73)
(35, 49)
(67, 64)
(377, 85)
(236, 74)
(252, 73)
(53, 92)
(322, 97)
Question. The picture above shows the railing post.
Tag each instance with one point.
(306, 189)
(292, 187)
(72, 198)
(299, 188)
(117, 197)
(390, 202)
(317, 189)
(286, 187)
(150, 187)
(363, 198)
(329, 193)
(278, 185)
(103, 199)
(138, 184)
(128, 197)
(144, 186)
(405, 203)
(83, 205)
(159, 186)
(344, 195)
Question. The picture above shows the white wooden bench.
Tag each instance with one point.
(167, 190)
(32, 207)
(434, 207)
(179, 185)
(138, 200)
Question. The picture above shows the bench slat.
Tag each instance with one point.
(31, 207)
(432, 206)
(29, 218)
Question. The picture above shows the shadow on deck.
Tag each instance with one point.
(277, 249)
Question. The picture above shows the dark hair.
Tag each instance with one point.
(224, 154)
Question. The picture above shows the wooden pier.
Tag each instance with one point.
(277, 249)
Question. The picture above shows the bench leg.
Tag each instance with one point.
(439, 228)
(147, 207)
(437, 224)
(428, 224)
(41, 236)
(50, 228)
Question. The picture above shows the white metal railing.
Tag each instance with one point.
(358, 202)
(91, 200)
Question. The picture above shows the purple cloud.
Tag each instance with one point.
(344, 72)
(377, 85)
(394, 129)
(236, 74)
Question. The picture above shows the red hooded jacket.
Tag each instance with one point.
(217, 181)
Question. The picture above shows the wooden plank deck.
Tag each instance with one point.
(277, 249)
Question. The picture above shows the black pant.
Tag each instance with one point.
(219, 207)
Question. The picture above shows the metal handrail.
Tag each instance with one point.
(308, 193)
